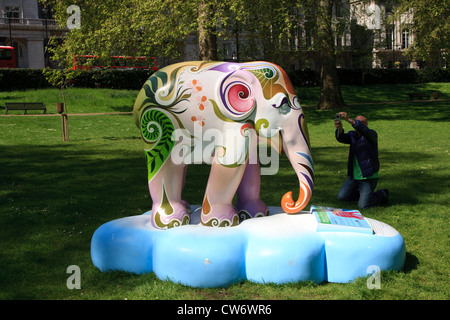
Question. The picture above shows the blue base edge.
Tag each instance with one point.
(280, 248)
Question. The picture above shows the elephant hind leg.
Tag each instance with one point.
(249, 205)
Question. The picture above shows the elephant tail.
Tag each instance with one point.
(156, 130)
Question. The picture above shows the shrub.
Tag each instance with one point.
(374, 76)
(20, 79)
(112, 79)
(303, 78)
(430, 75)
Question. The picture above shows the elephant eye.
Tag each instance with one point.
(296, 103)
(284, 105)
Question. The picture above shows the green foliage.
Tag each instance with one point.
(58, 77)
(431, 26)
(159, 27)
(127, 27)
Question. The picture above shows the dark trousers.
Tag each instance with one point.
(362, 191)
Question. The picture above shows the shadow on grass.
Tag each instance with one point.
(309, 96)
(52, 199)
(400, 173)
(428, 111)
(60, 175)
(54, 191)
(397, 92)
(411, 263)
(123, 108)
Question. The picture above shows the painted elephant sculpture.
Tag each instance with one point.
(216, 112)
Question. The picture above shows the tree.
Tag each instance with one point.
(144, 28)
(160, 27)
(271, 26)
(330, 91)
(431, 27)
(125, 27)
(207, 37)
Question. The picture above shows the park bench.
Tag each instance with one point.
(418, 95)
(25, 106)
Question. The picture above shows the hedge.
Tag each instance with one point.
(18, 79)
(113, 79)
(374, 76)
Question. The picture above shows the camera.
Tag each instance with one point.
(337, 118)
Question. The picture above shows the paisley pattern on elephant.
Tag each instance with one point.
(216, 113)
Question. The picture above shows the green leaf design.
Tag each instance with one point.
(156, 130)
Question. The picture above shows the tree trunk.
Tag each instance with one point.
(330, 90)
(207, 39)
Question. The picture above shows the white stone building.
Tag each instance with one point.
(26, 25)
(390, 36)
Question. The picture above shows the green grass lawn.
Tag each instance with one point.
(55, 194)
(78, 100)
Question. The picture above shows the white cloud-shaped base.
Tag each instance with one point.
(279, 248)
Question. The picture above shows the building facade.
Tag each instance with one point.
(27, 25)
(388, 36)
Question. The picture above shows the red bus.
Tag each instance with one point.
(118, 62)
(7, 57)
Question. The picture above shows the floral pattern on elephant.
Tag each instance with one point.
(217, 113)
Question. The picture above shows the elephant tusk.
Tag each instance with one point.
(288, 204)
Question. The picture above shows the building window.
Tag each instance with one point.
(13, 13)
(308, 38)
(338, 41)
(405, 39)
(389, 38)
(389, 7)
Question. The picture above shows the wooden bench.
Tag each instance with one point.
(25, 106)
(418, 95)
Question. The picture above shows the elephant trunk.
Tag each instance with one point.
(296, 147)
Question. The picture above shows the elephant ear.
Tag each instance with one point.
(237, 96)
(239, 100)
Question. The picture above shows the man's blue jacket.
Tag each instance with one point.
(364, 144)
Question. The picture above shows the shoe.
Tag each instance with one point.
(385, 199)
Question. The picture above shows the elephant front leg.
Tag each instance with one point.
(217, 208)
(169, 209)
(249, 204)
